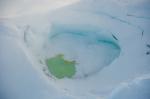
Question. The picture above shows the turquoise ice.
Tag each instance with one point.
(91, 47)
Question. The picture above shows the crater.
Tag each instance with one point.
(75, 48)
(89, 52)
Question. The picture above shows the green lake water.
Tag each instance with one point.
(60, 68)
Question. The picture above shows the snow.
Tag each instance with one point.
(48, 28)
(13, 8)
(137, 89)
(19, 79)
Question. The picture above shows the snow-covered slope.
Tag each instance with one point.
(109, 40)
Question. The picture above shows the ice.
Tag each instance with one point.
(82, 41)
(106, 38)
(92, 50)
